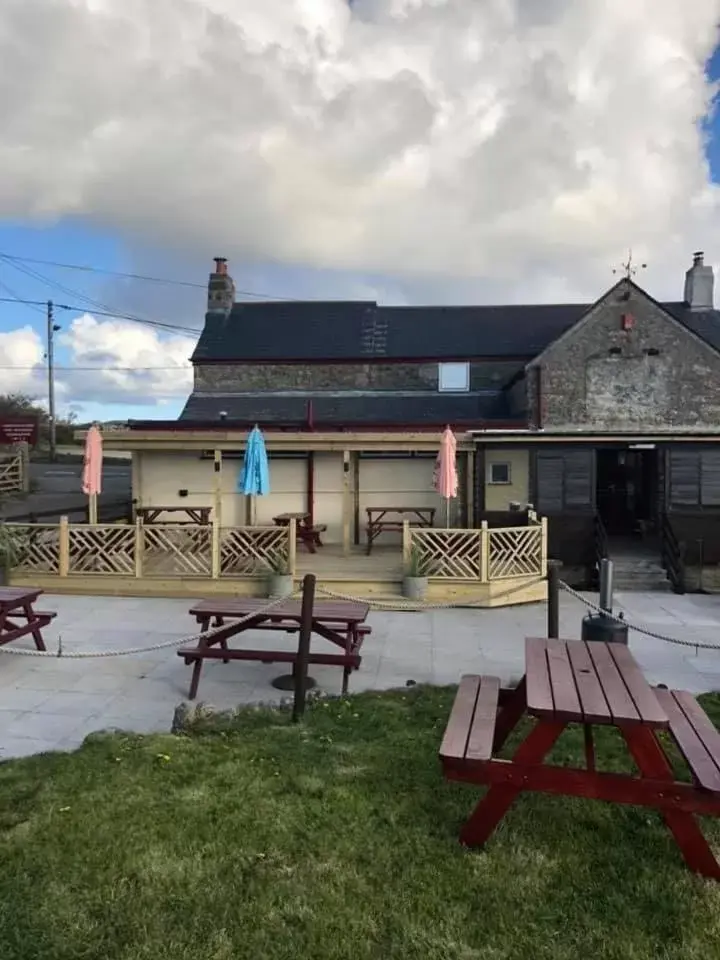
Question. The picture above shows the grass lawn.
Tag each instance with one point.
(332, 839)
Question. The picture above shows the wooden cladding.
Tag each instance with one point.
(694, 478)
(565, 481)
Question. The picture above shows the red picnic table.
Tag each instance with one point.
(342, 622)
(18, 617)
(593, 684)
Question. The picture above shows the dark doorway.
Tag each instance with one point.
(627, 490)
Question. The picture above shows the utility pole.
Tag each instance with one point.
(52, 328)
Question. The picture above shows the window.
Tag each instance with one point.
(499, 473)
(454, 376)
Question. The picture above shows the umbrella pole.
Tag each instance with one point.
(92, 509)
(447, 514)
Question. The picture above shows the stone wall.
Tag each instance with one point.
(644, 372)
(229, 378)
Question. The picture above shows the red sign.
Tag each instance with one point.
(18, 430)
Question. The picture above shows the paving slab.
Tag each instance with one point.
(53, 703)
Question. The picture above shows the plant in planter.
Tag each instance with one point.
(9, 553)
(281, 580)
(415, 582)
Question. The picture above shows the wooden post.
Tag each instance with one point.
(543, 547)
(139, 546)
(406, 544)
(356, 498)
(64, 548)
(25, 466)
(217, 487)
(215, 549)
(301, 667)
(346, 503)
(292, 546)
(553, 599)
(470, 489)
(135, 482)
(310, 499)
(484, 552)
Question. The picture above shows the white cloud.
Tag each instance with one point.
(517, 142)
(100, 362)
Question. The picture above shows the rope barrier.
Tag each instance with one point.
(194, 638)
(699, 645)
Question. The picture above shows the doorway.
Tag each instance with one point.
(627, 491)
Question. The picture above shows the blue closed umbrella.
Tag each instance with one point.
(254, 479)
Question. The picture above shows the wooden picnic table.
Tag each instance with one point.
(194, 514)
(383, 519)
(342, 622)
(18, 617)
(568, 681)
(306, 532)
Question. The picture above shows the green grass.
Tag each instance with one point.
(336, 838)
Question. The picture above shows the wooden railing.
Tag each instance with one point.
(673, 555)
(151, 550)
(13, 472)
(484, 554)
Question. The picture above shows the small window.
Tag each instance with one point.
(454, 376)
(499, 473)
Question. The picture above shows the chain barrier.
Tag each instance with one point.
(193, 639)
(698, 644)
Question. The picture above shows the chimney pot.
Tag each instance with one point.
(698, 258)
(221, 265)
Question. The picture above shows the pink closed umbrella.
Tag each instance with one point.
(445, 479)
(92, 470)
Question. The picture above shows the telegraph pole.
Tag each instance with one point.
(51, 328)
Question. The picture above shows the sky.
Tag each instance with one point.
(409, 151)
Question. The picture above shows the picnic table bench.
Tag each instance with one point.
(194, 514)
(306, 531)
(339, 621)
(590, 684)
(18, 617)
(384, 519)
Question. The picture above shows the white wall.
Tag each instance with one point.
(404, 483)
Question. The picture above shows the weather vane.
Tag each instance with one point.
(629, 268)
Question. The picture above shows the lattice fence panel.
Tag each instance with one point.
(177, 550)
(11, 473)
(448, 554)
(245, 551)
(102, 549)
(515, 552)
(36, 547)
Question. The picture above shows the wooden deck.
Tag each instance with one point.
(329, 563)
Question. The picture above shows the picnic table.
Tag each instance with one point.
(383, 519)
(593, 684)
(193, 514)
(18, 617)
(342, 622)
(307, 532)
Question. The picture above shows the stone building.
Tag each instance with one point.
(604, 416)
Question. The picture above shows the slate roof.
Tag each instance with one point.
(362, 330)
(349, 409)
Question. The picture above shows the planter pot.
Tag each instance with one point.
(415, 588)
(280, 585)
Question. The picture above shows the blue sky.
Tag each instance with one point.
(78, 242)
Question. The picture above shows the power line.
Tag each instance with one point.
(97, 305)
(40, 365)
(101, 313)
(140, 276)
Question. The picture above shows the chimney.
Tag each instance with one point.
(221, 289)
(699, 283)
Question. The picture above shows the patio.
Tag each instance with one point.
(54, 703)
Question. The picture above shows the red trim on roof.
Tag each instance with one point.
(183, 426)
